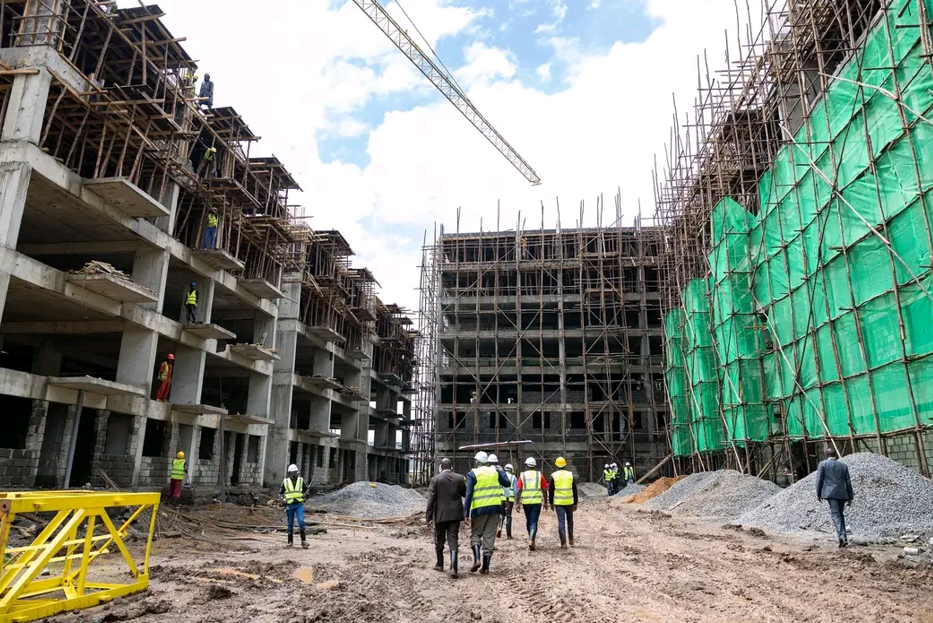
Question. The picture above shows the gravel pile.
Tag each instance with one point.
(723, 494)
(591, 490)
(890, 500)
(629, 490)
(370, 500)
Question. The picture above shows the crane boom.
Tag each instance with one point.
(381, 18)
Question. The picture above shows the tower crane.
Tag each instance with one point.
(448, 88)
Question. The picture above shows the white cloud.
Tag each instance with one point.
(544, 72)
(600, 132)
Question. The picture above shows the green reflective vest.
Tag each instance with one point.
(294, 490)
(192, 298)
(607, 475)
(629, 473)
(212, 220)
(563, 487)
(509, 492)
(487, 491)
(531, 487)
(178, 469)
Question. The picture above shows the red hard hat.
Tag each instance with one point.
(171, 356)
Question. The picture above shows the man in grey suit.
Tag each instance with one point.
(445, 511)
(834, 485)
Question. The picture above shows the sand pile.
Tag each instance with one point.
(656, 488)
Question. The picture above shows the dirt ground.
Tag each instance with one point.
(627, 566)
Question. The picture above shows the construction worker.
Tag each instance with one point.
(188, 80)
(165, 378)
(607, 479)
(293, 491)
(210, 234)
(529, 494)
(445, 512)
(482, 507)
(628, 474)
(616, 481)
(206, 95)
(508, 504)
(562, 495)
(191, 303)
(179, 469)
(206, 169)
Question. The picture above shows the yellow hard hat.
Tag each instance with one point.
(560, 462)
(180, 454)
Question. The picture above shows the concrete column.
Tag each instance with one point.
(260, 395)
(150, 269)
(188, 375)
(323, 362)
(47, 362)
(14, 182)
(265, 330)
(137, 436)
(170, 200)
(136, 365)
(26, 108)
(286, 343)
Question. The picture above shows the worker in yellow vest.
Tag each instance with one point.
(607, 479)
(508, 503)
(293, 491)
(628, 474)
(210, 234)
(165, 378)
(529, 496)
(206, 169)
(563, 497)
(179, 469)
(191, 303)
(482, 507)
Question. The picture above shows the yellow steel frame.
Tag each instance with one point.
(80, 533)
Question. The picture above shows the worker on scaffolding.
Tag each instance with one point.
(628, 474)
(293, 491)
(529, 494)
(188, 80)
(179, 469)
(562, 494)
(191, 303)
(206, 94)
(206, 170)
(482, 507)
(165, 378)
(210, 234)
(508, 503)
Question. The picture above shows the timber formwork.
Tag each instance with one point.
(793, 124)
(546, 336)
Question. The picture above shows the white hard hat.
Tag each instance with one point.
(627, 464)
(615, 465)
(530, 462)
(481, 457)
(508, 467)
(493, 459)
(606, 466)
(293, 468)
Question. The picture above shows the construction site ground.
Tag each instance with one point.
(627, 565)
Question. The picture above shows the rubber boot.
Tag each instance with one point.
(508, 527)
(440, 561)
(291, 540)
(534, 533)
(570, 538)
(476, 559)
(453, 563)
(304, 540)
(563, 540)
(487, 558)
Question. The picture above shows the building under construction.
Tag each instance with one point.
(545, 343)
(122, 189)
(797, 205)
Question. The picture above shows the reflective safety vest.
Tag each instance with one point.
(629, 473)
(608, 475)
(209, 154)
(178, 469)
(192, 298)
(294, 491)
(563, 488)
(212, 220)
(487, 491)
(531, 487)
(165, 371)
(509, 491)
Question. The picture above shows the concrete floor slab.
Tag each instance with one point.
(209, 331)
(325, 334)
(218, 258)
(199, 409)
(128, 197)
(96, 386)
(118, 289)
(261, 288)
(254, 352)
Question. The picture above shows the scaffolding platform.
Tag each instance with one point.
(125, 196)
(116, 288)
(209, 331)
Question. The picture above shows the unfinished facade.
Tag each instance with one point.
(112, 171)
(551, 337)
(798, 214)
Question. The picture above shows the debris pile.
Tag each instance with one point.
(370, 500)
(629, 491)
(890, 500)
(591, 490)
(95, 267)
(722, 494)
(656, 488)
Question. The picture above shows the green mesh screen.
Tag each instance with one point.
(808, 313)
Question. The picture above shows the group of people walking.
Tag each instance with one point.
(486, 497)
(616, 482)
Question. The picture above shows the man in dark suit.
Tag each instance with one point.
(834, 485)
(445, 511)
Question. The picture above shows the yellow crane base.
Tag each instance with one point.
(80, 533)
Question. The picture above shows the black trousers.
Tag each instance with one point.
(446, 531)
(192, 311)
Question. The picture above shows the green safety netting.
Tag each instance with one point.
(808, 309)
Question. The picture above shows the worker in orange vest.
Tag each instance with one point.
(165, 378)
